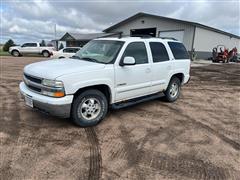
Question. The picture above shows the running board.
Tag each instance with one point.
(136, 101)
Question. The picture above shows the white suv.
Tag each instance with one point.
(106, 72)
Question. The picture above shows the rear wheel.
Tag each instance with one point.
(15, 53)
(89, 108)
(173, 91)
(45, 54)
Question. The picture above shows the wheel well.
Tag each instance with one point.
(45, 51)
(15, 50)
(180, 76)
(103, 88)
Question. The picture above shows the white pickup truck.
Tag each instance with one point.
(31, 48)
(107, 72)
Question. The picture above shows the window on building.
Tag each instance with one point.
(178, 50)
(138, 51)
(159, 52)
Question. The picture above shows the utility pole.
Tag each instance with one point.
(55, 35)
(55, 31)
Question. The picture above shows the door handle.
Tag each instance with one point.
(148, 70)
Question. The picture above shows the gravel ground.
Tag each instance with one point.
(197, 137)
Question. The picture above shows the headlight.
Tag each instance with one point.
(53, 88)
(52, 83)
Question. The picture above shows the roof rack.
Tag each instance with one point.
(135, 35)
(144, 36)
(168, 38)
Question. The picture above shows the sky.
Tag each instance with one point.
(34, 20)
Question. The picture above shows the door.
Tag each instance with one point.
(25, 48)
(29, 48)
(172, 34)
(161, 67)
(133, 80)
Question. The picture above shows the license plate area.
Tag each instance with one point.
(28, 101)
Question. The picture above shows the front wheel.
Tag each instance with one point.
(173, 91)
(15, 53)
(89, 108)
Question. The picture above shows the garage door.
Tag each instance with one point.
(172, 34)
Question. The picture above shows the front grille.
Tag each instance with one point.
(34, 88)
(33, 83)
(33, 79)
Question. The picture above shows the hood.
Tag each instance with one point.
(52, 69)
(12, 47)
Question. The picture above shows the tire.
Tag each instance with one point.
(45, 54)
(61, 57)
(173, 90)
(15, 53)
(84, 113)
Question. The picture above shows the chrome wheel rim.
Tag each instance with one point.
(15, 53)
(89, 109)
(45, 54)
(174, 90)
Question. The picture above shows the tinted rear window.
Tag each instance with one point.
(178, 50)
(159, 52)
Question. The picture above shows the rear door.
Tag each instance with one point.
(181, 59)
(161, 67)
(133, 80)
(34, 48)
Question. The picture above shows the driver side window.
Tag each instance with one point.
(138, 51)
(25, 45)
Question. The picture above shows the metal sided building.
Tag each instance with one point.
(79, 40)
(195, 36)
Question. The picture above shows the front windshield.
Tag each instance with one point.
(101, 51)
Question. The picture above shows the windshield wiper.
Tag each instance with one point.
(87, 59)
(90, 59)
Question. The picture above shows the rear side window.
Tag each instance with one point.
(178, 50)
(32, 45)
(159, 52)
(138, 51)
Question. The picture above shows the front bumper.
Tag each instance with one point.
(60, 107)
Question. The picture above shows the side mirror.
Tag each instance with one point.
(128, 61)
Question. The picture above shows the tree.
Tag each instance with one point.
(8, 44)
(42, 43)
(61, 46)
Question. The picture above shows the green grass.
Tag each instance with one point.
(3, 53)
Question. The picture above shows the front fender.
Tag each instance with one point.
(74, 82)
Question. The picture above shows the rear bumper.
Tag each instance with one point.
(60, 107)
(186, 79)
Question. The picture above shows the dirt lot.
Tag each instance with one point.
(197, 137)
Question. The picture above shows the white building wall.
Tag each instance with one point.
(161, 25)
(205, 40)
